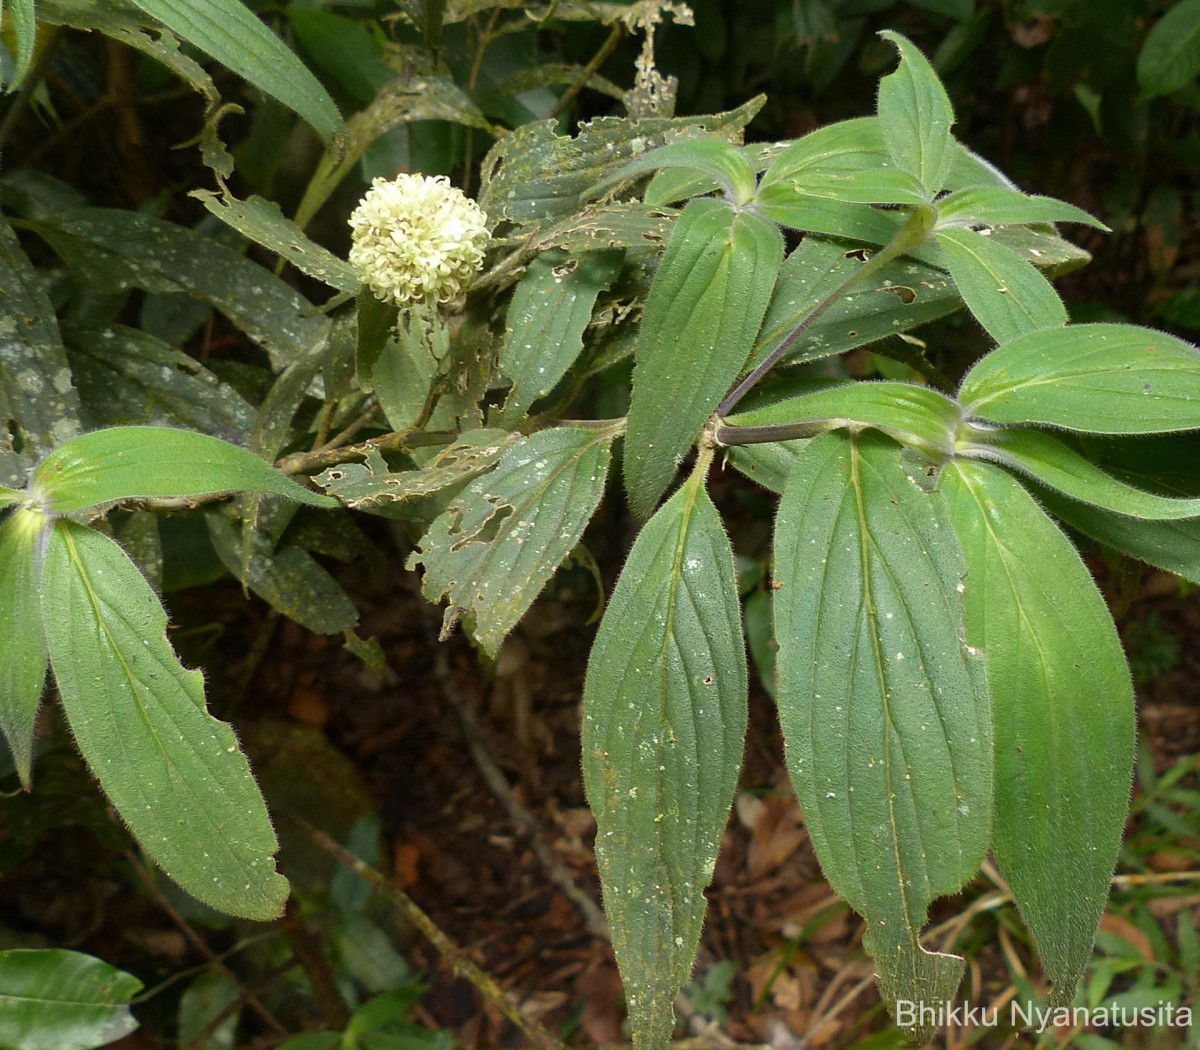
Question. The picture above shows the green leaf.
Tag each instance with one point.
(873, 186)
(174, 773)
(263, 222)
(717, 158)
(1054, 463)
(1170, 57)
(107, 466)
(915, 116)
(1099, 378)
(1170, 545)
(1062, 707)
(371, 485)
(126, 376)
(289, 578)
(52, 999)
(398, 356)
(1042, 247)
(1000, 206)
(501, 539)
(913, 415)
(160, 256)
(903, 295)
(884, 708)
(769, 464)
(704, 309)
(600, 227)
(842, 148)
(23, 669)
(229, 32)
(23, 14)
(535, 174)
(550, 309)
(1007, 295)
(36, 392)
(664, 715)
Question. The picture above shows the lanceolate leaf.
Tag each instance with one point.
(23, 669)
(122, 463)
(1007, 295)
(915, 117)
(1054, 463)
(289, 578)
(883, 707)
(912, 414)
(1000, 206)
(263, 222)
(664, 714)
(1100, 378)
(550, 309)
(229, 32)
(703, 312)
(24, 20)
(1170, 545)
(716, 157)
(161, 256)
(53, 999)
(902, 295)
(847, 146)
(174, 773)
(37, 398)
(1063, 713)
(501, 539)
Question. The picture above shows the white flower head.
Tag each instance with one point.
(417, 239)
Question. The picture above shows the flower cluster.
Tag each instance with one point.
(417, 239)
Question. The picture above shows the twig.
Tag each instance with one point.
(202, 1037)
(400, 441)
(453, 955)
(593, 67)
(197, 942)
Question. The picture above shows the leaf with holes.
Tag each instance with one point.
(883, 706)
(501, 539)
(664, 714)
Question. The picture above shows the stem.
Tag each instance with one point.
(912, 233)
(724, 434)
(593, 67)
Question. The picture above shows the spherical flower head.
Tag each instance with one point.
(417, 239)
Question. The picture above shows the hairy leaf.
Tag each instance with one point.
(601, 227)
(174, 773)
(1100, 378)
(915, 117)
(703, 312)
(501, 539)
(126, 376)
(1052, 462)
(53, 999)
(717, 158)
(263, 222)
(1007, 295)
(842, 148)
(769, 464)
(161, 256)
(1000, 206)
(1063, 713)
(883, 707)
(23, 669)
(122, 463)
(229, 32)
(903, 295)
(36, 391)
(23, 14)
(913, 415)
(664, 715)
(550, 309)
